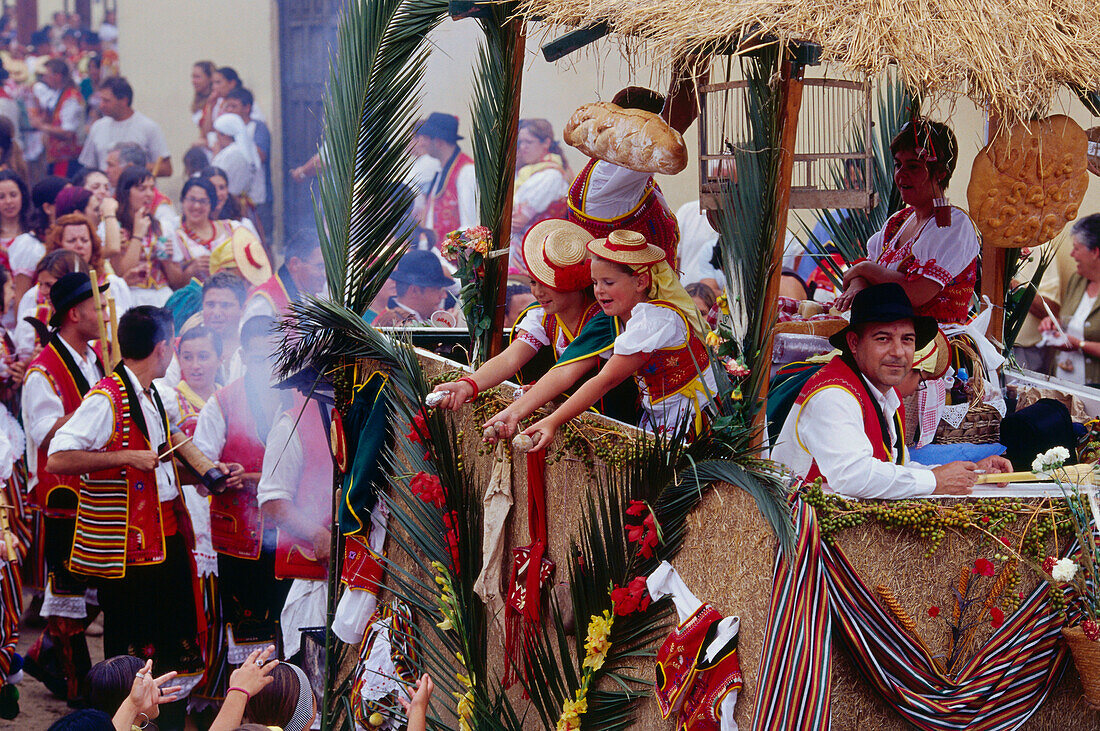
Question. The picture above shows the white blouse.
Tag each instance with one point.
(941, 254)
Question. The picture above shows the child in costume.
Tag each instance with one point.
(556, 257)
(659, 337)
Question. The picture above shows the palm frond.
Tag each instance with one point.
(1018, 299)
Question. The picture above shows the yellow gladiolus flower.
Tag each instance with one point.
(713, 340)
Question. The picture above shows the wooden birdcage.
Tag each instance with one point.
(833, 153)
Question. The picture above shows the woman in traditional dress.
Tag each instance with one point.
(542, 182)
(930, 248)
(198, 235)
(144, 249)
(15, 217)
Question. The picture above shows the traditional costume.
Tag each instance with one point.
(232, 427)
(153, 289)
(452, 195)
(273, 297)
(676, 383)
(56, 382)
(134, 535)
(845, 430)
(301, 433)
(541, 190)
(67, 113)
(605, 197)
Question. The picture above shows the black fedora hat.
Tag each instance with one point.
(421, 268)
(885, 303)
(68, 292)
(441, 126)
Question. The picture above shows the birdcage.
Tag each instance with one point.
(833, 153)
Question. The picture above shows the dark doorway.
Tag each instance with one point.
(307, 35)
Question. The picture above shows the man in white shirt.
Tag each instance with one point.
(120, 123)
(846, 425)
(452, 195)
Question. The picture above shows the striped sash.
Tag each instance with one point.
(99, 548)
(998, 689)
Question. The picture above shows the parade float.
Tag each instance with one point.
(519, 581)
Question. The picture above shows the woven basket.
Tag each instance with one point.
(982, 423)
(1086, 656)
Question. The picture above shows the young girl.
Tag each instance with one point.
(659, 342)
(200, 352)
(555, 256)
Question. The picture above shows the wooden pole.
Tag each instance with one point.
(504, 227)
(790, 90)
(993, 265)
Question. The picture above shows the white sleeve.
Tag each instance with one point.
(41, 406)
(943, 253)
(89, 155)
(613, 190)
(874, 246)
(25, 253)
(171, 400)
(542, 189)
(529, 329)
(830, 427)
(466, 185)
(210, 431)
(72, 115)
(90, 428)
(651, 328)
(282, 468)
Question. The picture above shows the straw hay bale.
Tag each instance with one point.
(1010, 54)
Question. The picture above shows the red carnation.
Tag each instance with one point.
(933, 612)
(1048, 563)
(1091, 629)
(984, 567)
(418, 427)
(996, 617)
(428, 488)
(634, 597)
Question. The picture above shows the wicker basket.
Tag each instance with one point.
(1086, 656)
(982, 423)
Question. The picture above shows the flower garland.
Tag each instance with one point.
(596, 645)
(468, 250)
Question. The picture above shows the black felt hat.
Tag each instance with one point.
(441, 126)
(68, 292)
(421, 268)
(884, 303)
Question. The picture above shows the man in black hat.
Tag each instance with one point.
(421, 290)
(452, 196)
(846, 424)
(57, 379)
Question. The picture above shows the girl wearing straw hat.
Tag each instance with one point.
(556, 257)
(659, 341)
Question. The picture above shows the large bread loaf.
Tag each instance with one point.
(632, 138)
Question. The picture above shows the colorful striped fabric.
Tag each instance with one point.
(99, 545)
(998, 689)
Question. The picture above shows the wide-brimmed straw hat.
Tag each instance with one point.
(934, 358)
(555, 252)
(245, 255)
(626, 247)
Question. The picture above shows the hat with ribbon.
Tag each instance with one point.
(421, 269)
(68, 292)
(441, 126)
(885, 303)
(555, 252)
(627, 247)
(244, 254)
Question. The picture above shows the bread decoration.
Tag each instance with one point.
(631, 138)
(1029, 182)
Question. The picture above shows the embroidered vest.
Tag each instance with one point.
(714, 681)
(837, 374)
(674, 370)
(952, 304)
(236, 526)
(274, 292)
(120, 520)
(294, 557)
(651, 217)
(58, 149)
(678, 656)
(445, 217)
(64, 380)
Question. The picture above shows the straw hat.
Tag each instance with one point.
(242, 253)
(934, 358)
(556, 255)
(626, 247)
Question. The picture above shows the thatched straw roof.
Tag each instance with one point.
(1011, 54)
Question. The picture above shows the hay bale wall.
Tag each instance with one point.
(727, 560)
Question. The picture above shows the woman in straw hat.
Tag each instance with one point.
(555, 255)
(659, 342)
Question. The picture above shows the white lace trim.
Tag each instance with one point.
(63, 605)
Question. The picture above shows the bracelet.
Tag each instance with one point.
(239, 690)
(473, 385)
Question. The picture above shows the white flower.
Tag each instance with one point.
(1064, 570)
(1051, 459)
